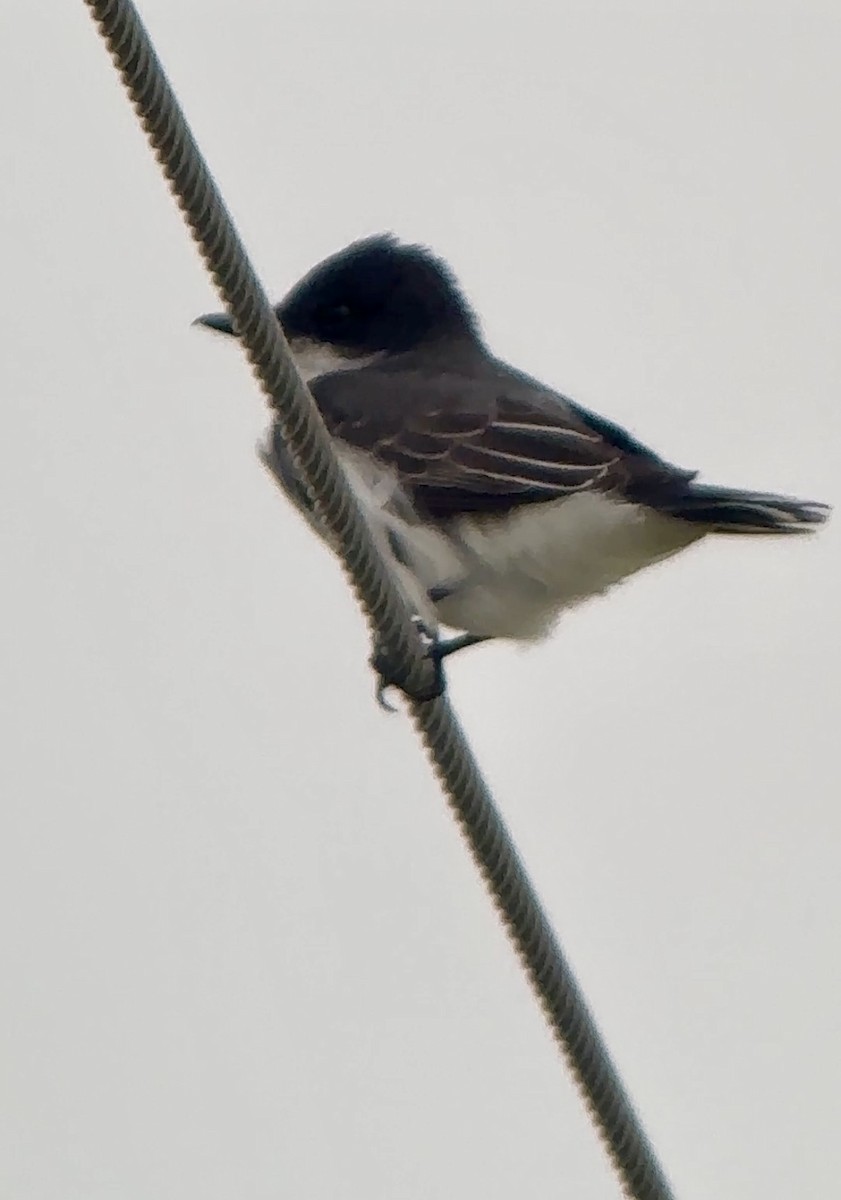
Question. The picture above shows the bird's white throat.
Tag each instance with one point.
(319, 358)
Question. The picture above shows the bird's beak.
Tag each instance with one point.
(218, 322)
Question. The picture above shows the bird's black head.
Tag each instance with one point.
(375, 297)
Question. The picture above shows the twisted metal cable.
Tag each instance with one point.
(228, 264)
(513, 894)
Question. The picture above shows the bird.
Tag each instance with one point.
(499, 502)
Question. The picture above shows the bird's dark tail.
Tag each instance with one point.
(727, 510)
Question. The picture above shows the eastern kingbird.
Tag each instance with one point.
(500, 502)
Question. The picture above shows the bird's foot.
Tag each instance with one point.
(391, 676)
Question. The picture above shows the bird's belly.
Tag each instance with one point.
(522, 570)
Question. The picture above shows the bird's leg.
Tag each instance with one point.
(441, 650)
(437, 651)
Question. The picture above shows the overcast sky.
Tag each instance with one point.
(244, 951)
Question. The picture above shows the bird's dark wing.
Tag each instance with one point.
(486, 440)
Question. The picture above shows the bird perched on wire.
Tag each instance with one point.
(499, 501)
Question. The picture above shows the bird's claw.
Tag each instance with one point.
(436, 651)
(391, 676)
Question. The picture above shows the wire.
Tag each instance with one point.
(305, 437)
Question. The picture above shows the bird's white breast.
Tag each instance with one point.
(511, 576)
(523, 569)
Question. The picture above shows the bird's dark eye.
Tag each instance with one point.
(332, 316)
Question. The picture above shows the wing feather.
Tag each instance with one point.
(484, 440)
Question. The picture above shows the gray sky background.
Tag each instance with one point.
(245, 953)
